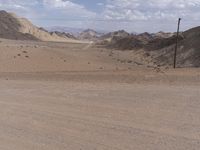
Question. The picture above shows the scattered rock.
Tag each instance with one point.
(158, 70)
(147, 55)
(122, 61)
(167, 67)
(129, 61)
(137, 63)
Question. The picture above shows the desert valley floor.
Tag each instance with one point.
(57, 96)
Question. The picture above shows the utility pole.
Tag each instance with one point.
(177, 36)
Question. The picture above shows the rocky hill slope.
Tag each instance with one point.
(188, 54)
(159, 47)
(13, 27)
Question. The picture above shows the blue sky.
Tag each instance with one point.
(92, 5)
(131, 15)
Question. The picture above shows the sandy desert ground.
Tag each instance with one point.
(57, 96)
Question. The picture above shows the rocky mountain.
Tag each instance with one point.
(13, 27)
(74, 31)
(112, 35)
(160, 47)
(125, 41)
(10, 28)
(63, 34)
(89, 34)
(162, 34)
(188, 54)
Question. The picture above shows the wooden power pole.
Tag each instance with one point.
(177, 36)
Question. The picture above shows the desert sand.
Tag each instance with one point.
(76, 96)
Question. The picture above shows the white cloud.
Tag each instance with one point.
(62, 4)
(100, 4)
(141, 15)
(61, 7)
(69, 7)
(150, 9)
(21, 7)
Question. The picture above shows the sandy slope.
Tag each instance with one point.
(49, 104)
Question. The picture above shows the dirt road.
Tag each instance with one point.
(93, 101)
(52, 114)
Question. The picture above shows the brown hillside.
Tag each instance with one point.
(13, 27)
(161, 46)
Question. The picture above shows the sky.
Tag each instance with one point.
(109, 15)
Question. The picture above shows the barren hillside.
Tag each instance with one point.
(188, 52)
(13, 27)
(160, 47)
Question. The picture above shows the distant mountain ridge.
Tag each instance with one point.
(63, 34)
(109, 36)
(74, 31)
(124, 40)
(89, 34)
